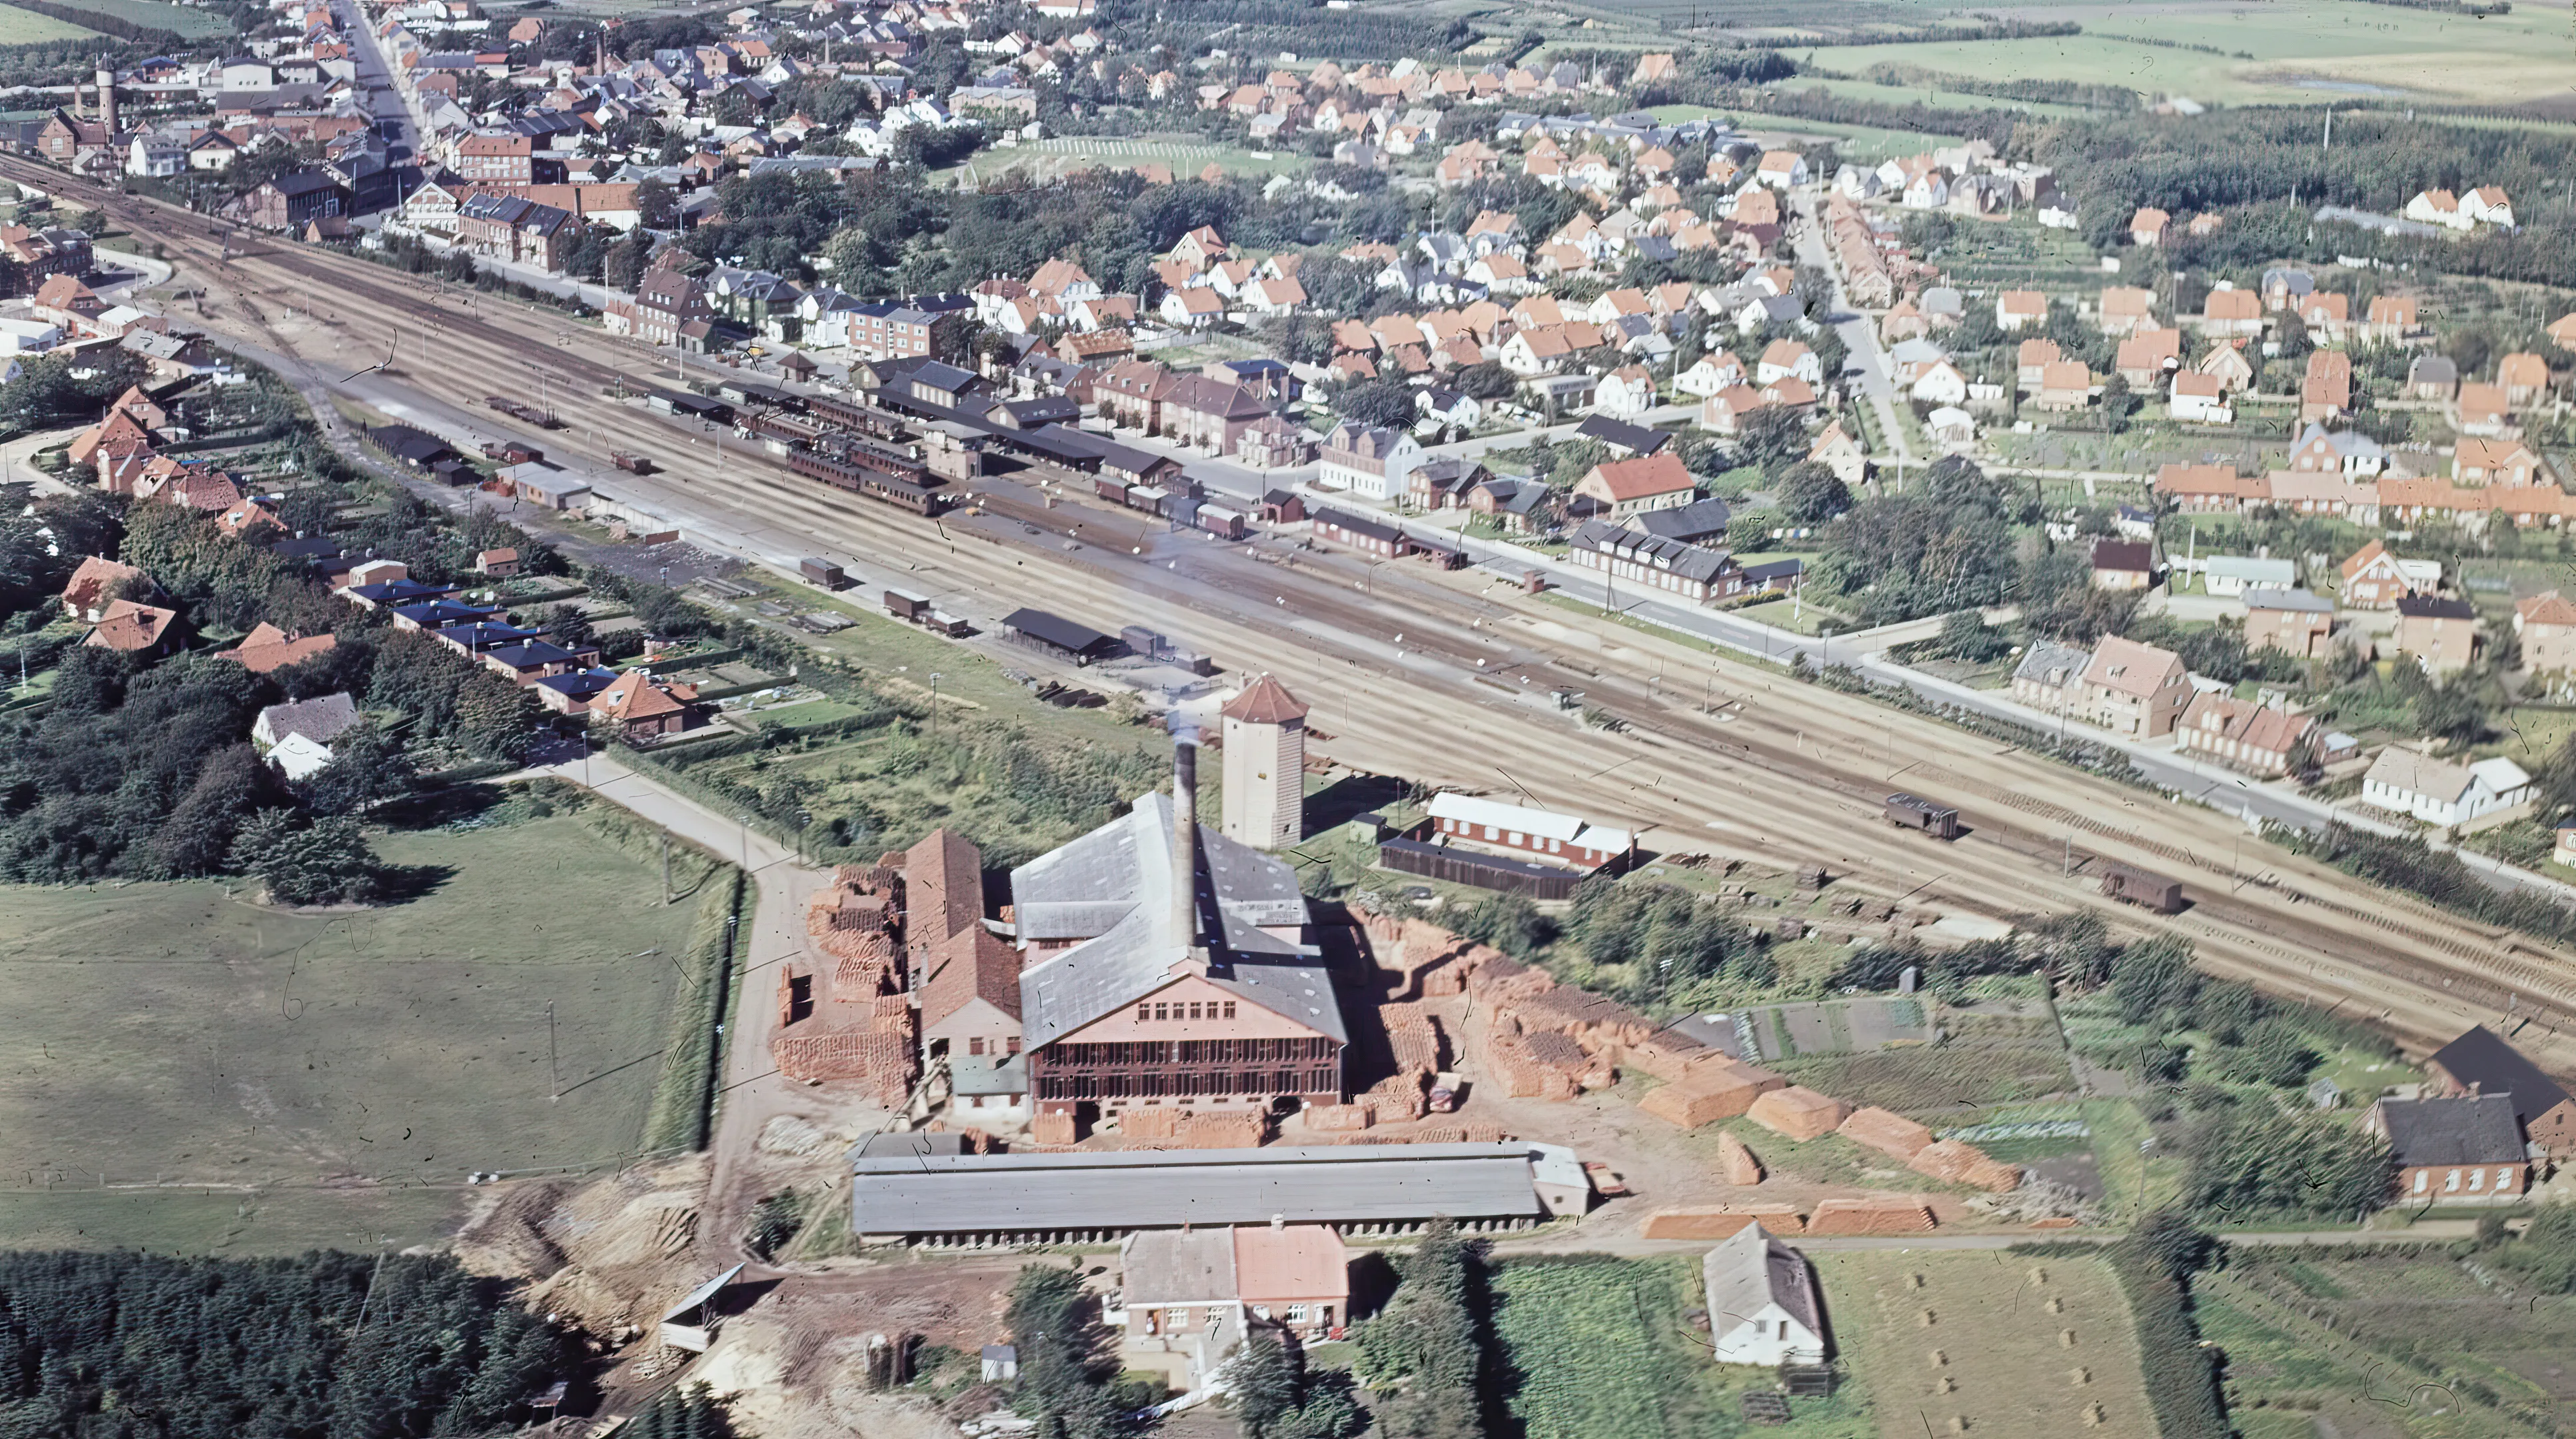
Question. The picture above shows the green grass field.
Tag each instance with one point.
(187, 21)
(2316, 51)
(1599, 1348)
(26, 27)
(320, 1075)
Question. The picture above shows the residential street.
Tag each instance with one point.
(1858, 334)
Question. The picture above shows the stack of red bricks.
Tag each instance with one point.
(850, 1022)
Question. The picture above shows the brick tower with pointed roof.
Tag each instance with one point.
(1265, 766)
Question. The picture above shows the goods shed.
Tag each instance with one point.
(1079, 643)
(1086, 1197)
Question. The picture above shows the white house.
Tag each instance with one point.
(1715, 372)
(2234, 574)
(1628, 391)
(1762, 1305)
(2200, 399)
(2441, 793)
(1942, 385)
(300, 756)
(1951, 428)
(1375, 464)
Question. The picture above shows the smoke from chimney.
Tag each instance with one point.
(1185, 832)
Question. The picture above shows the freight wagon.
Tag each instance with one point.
(1913, 812)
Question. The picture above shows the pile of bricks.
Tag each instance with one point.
(1798, 1112)
(851, 1021)
(1719, 1221)
(1054, 1130)
(1396, 1098)
(1228, 1129)
(881, 1063)
(1877, 1214)
(1413, 1035)
(1955, 1162)
(1153, 1122)
(1887, 1132)
(1712, 1089)
(1736, 1161)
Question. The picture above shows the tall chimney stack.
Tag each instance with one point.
(1185, 835)
(107, 100)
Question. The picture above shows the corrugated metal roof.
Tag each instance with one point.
(1166, 1189)
(1111, 889)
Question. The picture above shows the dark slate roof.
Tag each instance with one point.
(1689, 561)
(1691, 523)
(2435, 607)
(1058, 631)
(580, 684)
(2123, 555)
(1355, 524)
(2495, 1067)
(1774, 570)
(439, 614)
(2472, 1129)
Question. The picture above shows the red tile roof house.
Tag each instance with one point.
(1620, 488)
(646, 708)
(267, 648)
(1191, 1292)
(2254, 738)
(135, 629)
(91, 586)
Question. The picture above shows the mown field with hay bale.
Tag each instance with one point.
(1987, 1342)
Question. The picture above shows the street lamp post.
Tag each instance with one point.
(934, 703)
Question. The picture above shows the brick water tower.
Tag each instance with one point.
(1265, 766)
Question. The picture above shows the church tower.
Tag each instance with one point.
(1265, 766)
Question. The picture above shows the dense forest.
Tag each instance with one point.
(326, 1346)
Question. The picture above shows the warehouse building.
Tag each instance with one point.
(1099, 1198)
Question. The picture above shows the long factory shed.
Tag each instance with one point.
(1086, 1197)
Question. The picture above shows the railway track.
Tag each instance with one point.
(1776, 777)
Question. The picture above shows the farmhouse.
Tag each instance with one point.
(1761, 1302)
(2480, 1063)
(2462, 1150)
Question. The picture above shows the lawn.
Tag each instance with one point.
(250, 1079)
(1599, 1348)
(187, 21)
(2318, 53)
(26, 27)
(1987, 1343)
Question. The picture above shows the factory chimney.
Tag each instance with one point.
(1185, 833)
(107, 100)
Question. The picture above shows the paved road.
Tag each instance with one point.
(1858, 335)
(376, 92)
